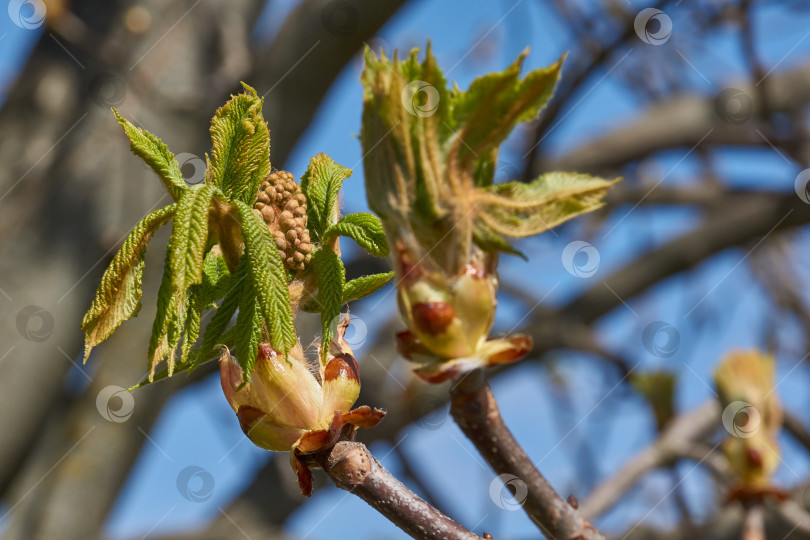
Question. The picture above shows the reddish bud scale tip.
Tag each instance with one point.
(437, 377)
(408, 269)
(266, 351)
(303, 475)
(321, 439)
(521, 346)
(364, 417)
(573, 502)
(433, 318)
(342, 365)
(407, 344)
(248, 416)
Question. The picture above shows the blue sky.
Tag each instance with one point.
(198, 428)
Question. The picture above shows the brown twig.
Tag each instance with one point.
(793, 513)
(475, 411)
(754, 527)
(351, 467)
(675, 442)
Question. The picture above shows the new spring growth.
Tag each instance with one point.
(291, 405)
(430, 154)
(752, 416)
(249, 241)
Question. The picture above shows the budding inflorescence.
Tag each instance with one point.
(283, 207)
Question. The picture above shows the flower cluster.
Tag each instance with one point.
(283, 207)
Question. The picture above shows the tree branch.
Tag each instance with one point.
(674, 442)
(351, 467)
(680, 122)
(754, 526)
(474, 409)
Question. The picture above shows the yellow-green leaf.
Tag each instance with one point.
(331, 279)
(321, 185)
(156, 154)
(240, 156)
(166, 326)
(517, 209)
(189, 237)
(488, 111)
(269, 278)
(365, 229)
(119, 294)
(248, 329)
(364, 286)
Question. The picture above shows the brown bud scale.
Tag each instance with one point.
(342, 365)
(433, 317)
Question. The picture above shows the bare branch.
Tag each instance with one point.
(351, 467)
(680, 122)
(674, 442)
(754, 526)
(475, 411)
(794, 514)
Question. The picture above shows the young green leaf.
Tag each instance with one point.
(331, 278)
(488, 111)
(217, 280)
(364, 286)
(240, 157)
(321, 184)
(365, 229)
(517, 209)
(216, 328)
(156, 154)
(195, 358)
(267, 273)
(215, 283)
(248, 330)
(189, 237)
(119, 294)
(195, 306)
(490, 241)
(165, 328)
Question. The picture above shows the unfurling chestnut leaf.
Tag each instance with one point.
(430, 154)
